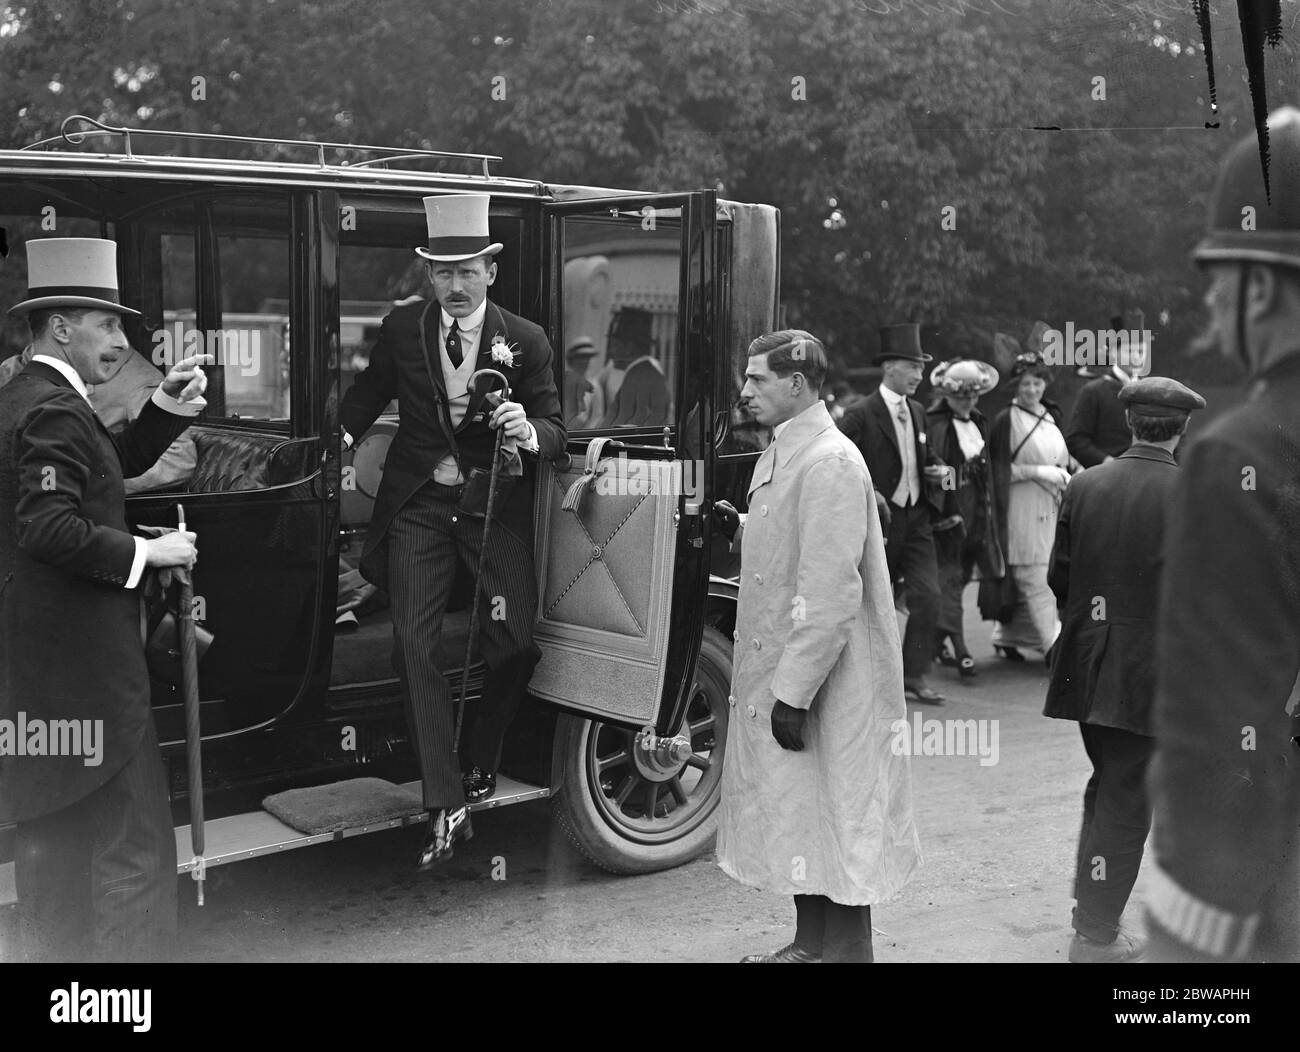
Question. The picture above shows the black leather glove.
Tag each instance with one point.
(787, 726)
(726, 518)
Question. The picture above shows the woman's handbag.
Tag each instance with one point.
(998, 598)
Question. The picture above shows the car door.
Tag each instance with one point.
(630, 289)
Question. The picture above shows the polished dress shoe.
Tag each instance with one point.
(478, 784)
(791, 954)
(447, 826)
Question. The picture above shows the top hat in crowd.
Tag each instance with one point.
(72, 272)
(964, 377)
(458, 228)
(901, 341)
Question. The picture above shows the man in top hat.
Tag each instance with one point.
(578, 390)
(420, 530)
(888, 427)
(1098, 430)
(1225, 779)
(95, 855)
(1105, 572)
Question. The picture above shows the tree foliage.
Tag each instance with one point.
(898, 138)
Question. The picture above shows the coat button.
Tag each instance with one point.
(454, 519)
(763, 510)
(758, 645)
(758, 578)
(735, 637)
(731, 699)
(752, 712)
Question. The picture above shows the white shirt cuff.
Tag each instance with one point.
(530, 444)
(167, 403)
(137, 564)
(347, 439)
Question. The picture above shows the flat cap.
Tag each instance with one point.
(1160, 396)
(580, 347)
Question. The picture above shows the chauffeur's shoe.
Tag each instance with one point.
(478, 784)
(446, 827)
(791, 954)
(1125, 949)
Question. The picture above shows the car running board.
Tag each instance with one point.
(239, 837)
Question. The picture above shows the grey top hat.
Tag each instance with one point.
(72, 272)
(458, 228)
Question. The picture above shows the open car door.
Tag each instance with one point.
(621, 559)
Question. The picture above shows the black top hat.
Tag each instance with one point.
(901, 341)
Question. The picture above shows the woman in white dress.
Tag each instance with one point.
(1031, 466)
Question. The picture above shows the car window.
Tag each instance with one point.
(621, 290)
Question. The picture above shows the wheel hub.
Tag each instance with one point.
(660, 759)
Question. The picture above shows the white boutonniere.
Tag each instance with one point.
(921, 437)
(502, 352)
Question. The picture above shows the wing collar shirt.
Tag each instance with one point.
(164, 401)
(908, 490)
(470, 330)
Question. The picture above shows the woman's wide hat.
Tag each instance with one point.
(72, 272)
(901, 341)
(458, 228)
(964, 377)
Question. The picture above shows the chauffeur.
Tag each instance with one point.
(816, 801)
(95, 856)
(424, 357)
(1225, 779)
(1105, 572)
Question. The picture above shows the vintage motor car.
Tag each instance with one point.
(284, 268)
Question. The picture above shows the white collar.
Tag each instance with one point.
(468, 323)
(69, 373)
(776, 431)
(892, 397)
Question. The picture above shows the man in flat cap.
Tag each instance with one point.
(95, 855)
(889, 429)
(1105, 572)
(420, 530)
(1225, 780)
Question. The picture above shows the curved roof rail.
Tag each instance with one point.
(390, 153)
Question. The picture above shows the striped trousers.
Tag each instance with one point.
(426, 540)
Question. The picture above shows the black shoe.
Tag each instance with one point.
(478, 784)
(446, 827)
(1010, 653)
(966, 666)
(791, 954)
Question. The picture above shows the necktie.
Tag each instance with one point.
(453, 345)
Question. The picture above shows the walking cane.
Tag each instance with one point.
(494, 471)
(190, 695)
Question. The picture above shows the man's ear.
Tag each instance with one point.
(492, 272)
(1264, 291)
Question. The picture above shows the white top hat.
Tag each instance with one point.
(458, 227)
(71, 272)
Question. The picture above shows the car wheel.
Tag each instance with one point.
(628, 812)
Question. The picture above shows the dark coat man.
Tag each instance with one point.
(907, 507)
(80, 771)
(1097, 429)
(1105, 573)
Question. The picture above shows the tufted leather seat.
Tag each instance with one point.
(230, 460)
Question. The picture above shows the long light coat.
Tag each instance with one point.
(816, 628)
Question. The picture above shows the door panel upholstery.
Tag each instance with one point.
(605, 586)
